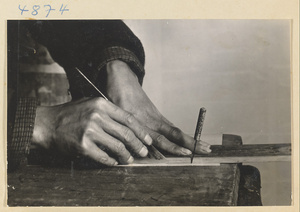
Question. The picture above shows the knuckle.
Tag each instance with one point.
(141, 133)
(114, 108)
(175, 132)
(160, 139)
(94, 116)
(103, 159)
(158, 125)
(127, 134)
(120, 147)
(129, 118)
(88, 133)
(100, 101)
(174, 149)
(85, 148)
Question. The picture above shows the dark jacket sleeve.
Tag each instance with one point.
(88, 45)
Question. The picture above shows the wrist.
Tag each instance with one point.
(121, 81)
(118, 68)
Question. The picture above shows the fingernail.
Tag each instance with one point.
(130, 159)
(208, 149)
(148, 139)
(143, 152)
(185, 151)
(116, 163)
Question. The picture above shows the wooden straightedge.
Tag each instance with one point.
(225, 154)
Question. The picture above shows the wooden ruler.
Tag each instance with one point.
(226, 154)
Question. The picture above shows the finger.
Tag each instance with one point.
(130, 121)
(163, 143)
(175, 135)
(125, 135)
(200, 148)
(108, 142)
(92, 151)
(203, 143)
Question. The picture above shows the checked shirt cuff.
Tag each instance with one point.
(125, 55)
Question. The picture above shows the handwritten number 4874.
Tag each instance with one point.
(48, 9)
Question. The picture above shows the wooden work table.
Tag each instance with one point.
(125, 186)
(219, 185)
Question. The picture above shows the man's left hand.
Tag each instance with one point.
(124, 90)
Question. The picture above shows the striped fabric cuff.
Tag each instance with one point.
(19, 147)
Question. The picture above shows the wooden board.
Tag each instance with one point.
(226, 154)
(206, 161)
(124, 186)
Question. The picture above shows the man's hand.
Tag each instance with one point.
(91, 127)
(124, 90)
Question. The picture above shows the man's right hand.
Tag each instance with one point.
(92, 127)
